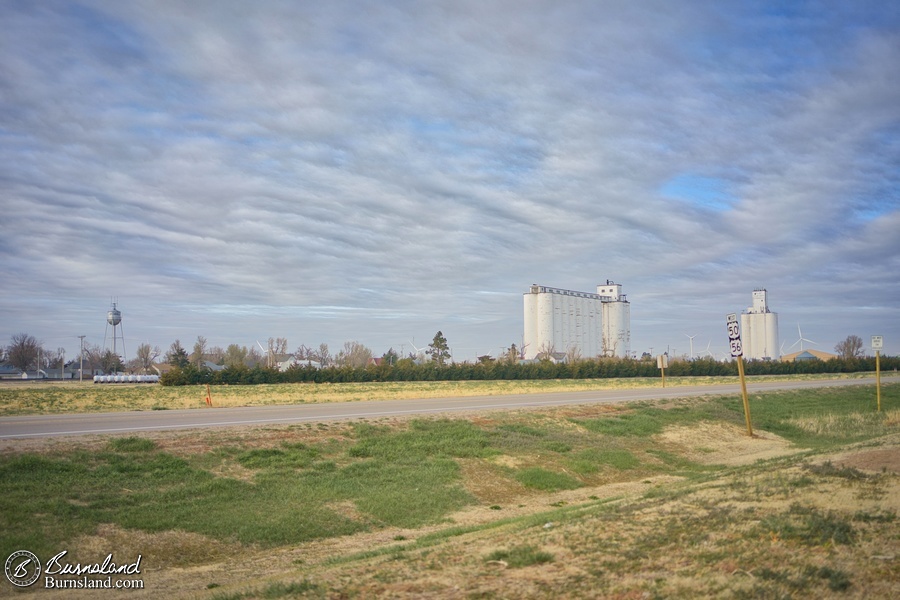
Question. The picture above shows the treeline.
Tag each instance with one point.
(407, 370)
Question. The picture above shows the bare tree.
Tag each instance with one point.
(303, 353)
(546, 351)
(235, 356)
(323, 355)
(609, 347)
(92, 354)
(852, 347)
(511, 355)
(199, 353)
(353, 355)
(254, 356)
(573, 354)
(23, 351)
(216, 354)
(144, 357)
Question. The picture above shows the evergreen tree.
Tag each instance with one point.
(390, 358)
(177, 356)
(111, 363)
(439, 350)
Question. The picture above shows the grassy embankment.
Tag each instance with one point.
(21, 398)
(184, 500)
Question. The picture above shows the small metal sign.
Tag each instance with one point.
(662, 361)
(877, 342)
(734, 336)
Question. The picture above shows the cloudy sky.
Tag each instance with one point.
(378, 171)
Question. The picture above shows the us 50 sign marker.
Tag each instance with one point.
(737, 351)
(734, 336)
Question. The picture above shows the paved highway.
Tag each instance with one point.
(136, 422)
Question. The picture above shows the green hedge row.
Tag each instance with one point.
(406, 370)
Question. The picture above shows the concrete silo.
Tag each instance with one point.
(580, 324)
(616, 317)
(759, 329)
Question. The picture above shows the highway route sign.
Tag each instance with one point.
(734, 335)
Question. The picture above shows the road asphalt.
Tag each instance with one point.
(161, 420)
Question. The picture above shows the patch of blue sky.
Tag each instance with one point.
(869, 209)
(430, 126)
(711, 193)
(112, 40)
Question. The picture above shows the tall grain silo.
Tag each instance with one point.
(576, 323)
(616, 319)
(759, 329)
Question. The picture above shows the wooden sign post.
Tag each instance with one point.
(877, 345)
(662, 361)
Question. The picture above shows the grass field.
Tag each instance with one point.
(650, 499)
(37, 397)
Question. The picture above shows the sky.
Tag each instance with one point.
(378, 171)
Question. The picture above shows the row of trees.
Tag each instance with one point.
(353, 354)
(26, 353)
(408, 370)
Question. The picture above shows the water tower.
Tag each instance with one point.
(114, 318)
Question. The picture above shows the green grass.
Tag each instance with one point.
(290, 456)
(644, 423)
(592, 460)
(273, 591)
(49, 499)
(372, 476)
(521, 556)
(799, 580)
(548, 481)
(425, 438)
(810, 526)
(132, 444)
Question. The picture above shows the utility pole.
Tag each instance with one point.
(81, 367)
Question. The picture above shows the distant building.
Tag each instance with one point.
(759, 329)
(577, 324)
(803, 355)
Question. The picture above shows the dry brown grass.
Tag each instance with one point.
(43, 397)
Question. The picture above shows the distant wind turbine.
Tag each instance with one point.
(801, 339)
(420, 352)
(691, 337)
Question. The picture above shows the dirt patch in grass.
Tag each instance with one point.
(725, 444)
(347, 509)
(163, 550)
(877, 460)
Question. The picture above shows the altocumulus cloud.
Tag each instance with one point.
(378, 171)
